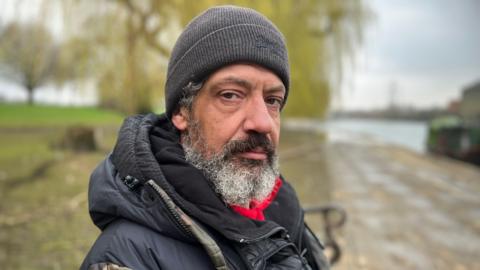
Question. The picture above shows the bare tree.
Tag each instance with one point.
(28, 55)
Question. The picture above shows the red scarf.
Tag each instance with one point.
(256, 208)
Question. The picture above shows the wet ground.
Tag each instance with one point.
(405, 210)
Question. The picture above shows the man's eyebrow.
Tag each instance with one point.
(234, 80)
(247, 84)
(277, 88)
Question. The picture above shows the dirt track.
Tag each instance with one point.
(405, 210)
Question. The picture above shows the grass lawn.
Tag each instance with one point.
(20, 115)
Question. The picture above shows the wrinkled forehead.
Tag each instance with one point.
(246, 75)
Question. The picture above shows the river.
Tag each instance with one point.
(409, 134)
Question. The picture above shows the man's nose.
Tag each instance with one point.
(258, 117)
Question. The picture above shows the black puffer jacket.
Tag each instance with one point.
(156, 211)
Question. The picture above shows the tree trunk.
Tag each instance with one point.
(30, 100)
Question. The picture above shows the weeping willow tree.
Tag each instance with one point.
(131, 43)
(125, 57)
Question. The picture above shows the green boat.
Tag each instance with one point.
(454, 137)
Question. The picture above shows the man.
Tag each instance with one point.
(199, 186)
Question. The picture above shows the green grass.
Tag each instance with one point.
(44, 221)
(20, 115)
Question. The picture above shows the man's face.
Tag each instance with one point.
(233, 130)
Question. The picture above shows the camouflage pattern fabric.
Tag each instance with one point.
(107, 266)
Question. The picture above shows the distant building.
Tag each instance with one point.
(470, 103)
(454, 106)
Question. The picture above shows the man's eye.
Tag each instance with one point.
(230, 95)
(274, 101)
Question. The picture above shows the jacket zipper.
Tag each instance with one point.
(170, 206)
(210, 246)
(268, 234)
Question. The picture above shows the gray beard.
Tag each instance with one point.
(237, 181)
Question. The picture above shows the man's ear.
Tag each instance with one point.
(180, 119)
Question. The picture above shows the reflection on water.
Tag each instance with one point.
(303, 163)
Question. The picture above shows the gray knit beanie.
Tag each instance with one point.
(221, 36)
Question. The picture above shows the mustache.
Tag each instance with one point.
(251, 143)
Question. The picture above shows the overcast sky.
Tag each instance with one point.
(427, 50)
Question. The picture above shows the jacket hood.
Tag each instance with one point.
(148, 149)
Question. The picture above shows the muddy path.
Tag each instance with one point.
(406, 210)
